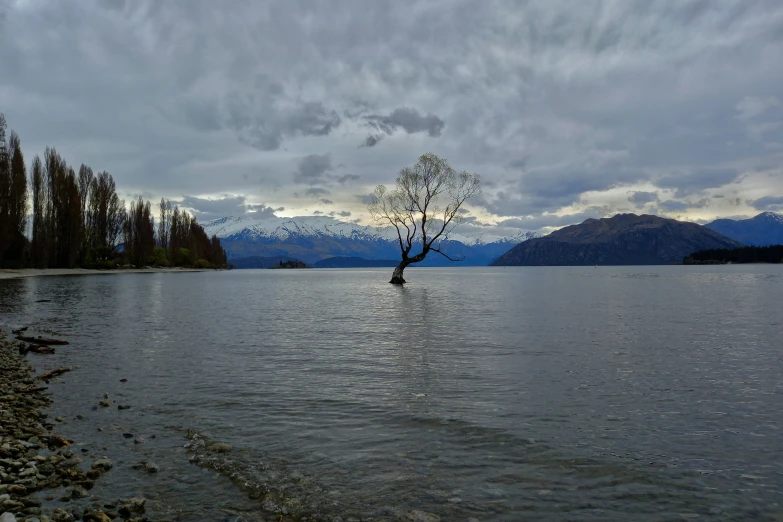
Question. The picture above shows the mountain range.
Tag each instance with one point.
(327, 242)
(625, 239)
(763, 230)
(315, 238)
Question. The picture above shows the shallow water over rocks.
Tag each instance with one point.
(487, 393)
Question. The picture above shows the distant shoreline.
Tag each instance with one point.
(42, 272)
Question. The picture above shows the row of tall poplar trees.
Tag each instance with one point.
(79, 220)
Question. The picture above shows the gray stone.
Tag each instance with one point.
(31, 471)
(79, 492)
(132, 506)
(7, 517)
(16, 489)
(11, 505)
(102, 463)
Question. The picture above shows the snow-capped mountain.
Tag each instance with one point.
(313, 238)
(762, 230)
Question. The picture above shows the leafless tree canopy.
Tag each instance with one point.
(424, 207)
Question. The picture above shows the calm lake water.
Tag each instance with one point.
(610, 393)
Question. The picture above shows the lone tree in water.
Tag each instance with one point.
(423, 208)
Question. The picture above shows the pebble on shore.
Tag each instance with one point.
(23, 434)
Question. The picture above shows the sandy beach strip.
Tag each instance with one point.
(40, 272)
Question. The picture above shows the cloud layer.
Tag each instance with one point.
(566, 109)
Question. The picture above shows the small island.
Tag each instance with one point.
(291, 263)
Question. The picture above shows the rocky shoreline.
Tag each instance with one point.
(41, 478)
(46, 478)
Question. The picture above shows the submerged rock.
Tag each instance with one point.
(422, 516)
(60, 515)
(132, 507)
(149, 467)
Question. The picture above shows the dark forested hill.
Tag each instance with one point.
(625, 239)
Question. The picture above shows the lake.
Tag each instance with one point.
(552, 393)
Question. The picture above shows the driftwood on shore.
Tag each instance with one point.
(55, 441)
(34, 389)
(40, 340)
(54, 373)
(40, 349)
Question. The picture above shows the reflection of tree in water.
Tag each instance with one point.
(417, 335)
(13, 295)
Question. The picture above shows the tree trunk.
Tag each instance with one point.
(397, 276)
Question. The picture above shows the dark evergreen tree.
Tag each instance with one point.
(139, 233)
(5, 191)
(86, 178)
(164, 223)
(37, 246)
(105, 217)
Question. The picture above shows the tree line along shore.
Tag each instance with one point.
(748, 254)
(78, 220)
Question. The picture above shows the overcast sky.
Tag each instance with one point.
(568, 110)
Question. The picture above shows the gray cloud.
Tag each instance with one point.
(519, 163)
(205, 209)
(326, 201)
(673, 206)
(371, 140)
(315, 192)
(750, 107)
(406, 118)
(347, 177)
(548, 190)
(365, 199)
(640, 198)
(553, 221)
(769, 203)
(208, 209)
(261, 117)
(697, 180)
(312, 169)
(262, 211)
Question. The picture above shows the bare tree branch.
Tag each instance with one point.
(450, 258)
